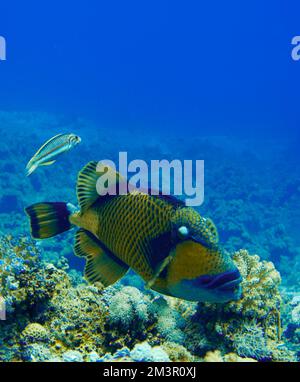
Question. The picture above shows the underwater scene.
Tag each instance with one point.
(90, 275)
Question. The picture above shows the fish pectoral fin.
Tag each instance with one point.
(48, 163)
(87, 192)
(160, 269)
(100, 265)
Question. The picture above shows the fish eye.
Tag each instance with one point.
(183, 232)
(74, 138)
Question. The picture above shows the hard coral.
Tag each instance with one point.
(251, 326)
(51, 319)
(260, 284)
(35, 332)
(216, 356)
(129, 307)
(25, 282)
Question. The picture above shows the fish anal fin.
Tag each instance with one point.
(88, 177)
(100, 265)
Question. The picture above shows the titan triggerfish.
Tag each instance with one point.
(171, 246)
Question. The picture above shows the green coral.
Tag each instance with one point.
(35, 332)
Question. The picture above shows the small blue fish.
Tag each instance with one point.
(51, 149)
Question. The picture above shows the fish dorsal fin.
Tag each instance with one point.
(87, 191)
(100, 264)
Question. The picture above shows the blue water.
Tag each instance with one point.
(160, 80)
(213, 82)
(206, 68)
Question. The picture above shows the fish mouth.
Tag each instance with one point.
(219, 288)
(224, 282)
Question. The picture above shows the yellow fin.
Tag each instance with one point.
(87, 182)
(100, 266)
(47, 163)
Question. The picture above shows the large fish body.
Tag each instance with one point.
(48, 153)
(172, 247)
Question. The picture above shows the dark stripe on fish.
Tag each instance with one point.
(104, 248)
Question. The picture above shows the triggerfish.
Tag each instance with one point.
(55, 146)
(171, 246)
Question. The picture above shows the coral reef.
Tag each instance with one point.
(216, 356)
(249, 327)
(51, 317)
(291, 321)
(261, 280)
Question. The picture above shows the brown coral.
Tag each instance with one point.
(250, 326)
(260, 287)
(216, 356)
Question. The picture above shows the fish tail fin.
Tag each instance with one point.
(30, 168)
(49, 219)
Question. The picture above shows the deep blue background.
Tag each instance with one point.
(211, 67)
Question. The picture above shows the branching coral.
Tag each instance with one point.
(129, 306)
(250, 341)
(260, 284)
(169, 321)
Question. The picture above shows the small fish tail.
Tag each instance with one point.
(49, 219)
(30, 169)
